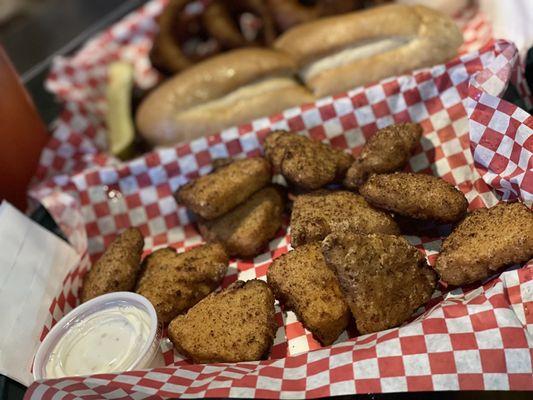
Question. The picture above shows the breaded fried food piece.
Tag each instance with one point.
(418, 196)
(117, 268)
(304, 162)
(316, 215)
(383, 277)
(220, 162)
(303, 282)
(485, 241)
(234, 325)
(214, 194)
(388, 150)
(245, 230)
(175, 282)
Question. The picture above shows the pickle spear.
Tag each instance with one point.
(120, 127)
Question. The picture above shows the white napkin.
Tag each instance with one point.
(33, 264)
(511, 20)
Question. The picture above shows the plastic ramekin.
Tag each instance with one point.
(146, 354)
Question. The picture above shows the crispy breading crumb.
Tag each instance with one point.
(317, 214)
(245, 230)
(175, 282)
(485, 241)
(303, 282)
(304, 162)
(383, 277)
(388, 150)
(234, 325)
(117, 268)
(214, 194)
(416, 195)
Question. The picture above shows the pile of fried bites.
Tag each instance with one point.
(349, 258)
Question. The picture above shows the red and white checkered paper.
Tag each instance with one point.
(475, 338)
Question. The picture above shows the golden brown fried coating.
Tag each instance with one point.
(415, 195)
(175, 282)
(302, 280)
(485, 241)
(117, 268)
(388, 150)
(245, 230)
(234, 325)
(306, 163)
(214, 194)
(316, 215)
(383, 277)
(220, 162)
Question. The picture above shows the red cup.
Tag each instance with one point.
(23, 135)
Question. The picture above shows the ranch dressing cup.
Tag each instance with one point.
(114, 332)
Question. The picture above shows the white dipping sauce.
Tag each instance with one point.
(109, 340)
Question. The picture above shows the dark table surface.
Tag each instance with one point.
(59, 27)
(51, 28)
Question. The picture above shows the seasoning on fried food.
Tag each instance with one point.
(234, 325)
(117, 268)
(304, 162)
(316, 215)
(387, 151)
(245, 230)
(303, 282)
(383, 277)
(485, 241)
(175, 282)
(212, 195)
(418, 196)
(221, 162)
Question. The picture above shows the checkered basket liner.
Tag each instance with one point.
(475, 338)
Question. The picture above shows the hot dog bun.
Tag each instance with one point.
(339, 53)
(226, 90)
(450, 7)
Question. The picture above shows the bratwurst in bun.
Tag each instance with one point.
(226, 90)
(339, 53)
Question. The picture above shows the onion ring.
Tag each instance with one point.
(237, 23)
(176, 29)
(185, 37)
(288, 13)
